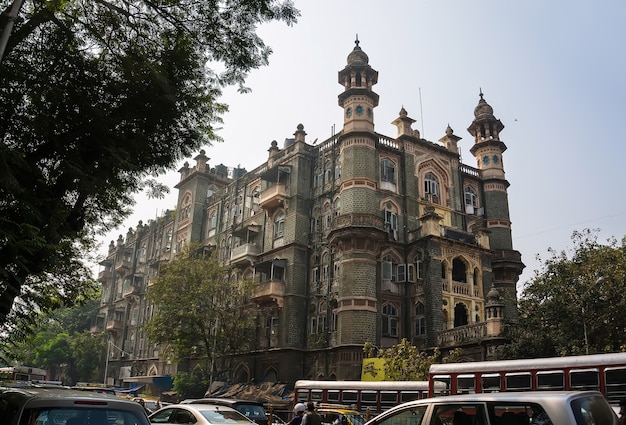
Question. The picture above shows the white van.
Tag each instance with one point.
(58, 406)
(506, 408)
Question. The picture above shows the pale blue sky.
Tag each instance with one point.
(553, 71)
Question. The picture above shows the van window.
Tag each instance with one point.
(86, 416)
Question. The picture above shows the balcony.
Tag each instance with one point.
(269, 292)
(114, 325)
(468, 334)
(461, 288)
(131, 290)
(273, 197)
(244, 253)
(104, 275)
(122, 266)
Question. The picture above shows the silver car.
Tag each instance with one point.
(507, 408)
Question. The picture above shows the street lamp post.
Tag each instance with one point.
(582, 310)
(106, 362)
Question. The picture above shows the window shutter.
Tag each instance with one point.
(387, 270)
(401, 273)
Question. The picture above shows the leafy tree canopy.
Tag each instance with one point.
(404, 362)
(97, 97)
(577, 292)
(200, 311)
(61, 343)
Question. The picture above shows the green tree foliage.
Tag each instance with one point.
(200, 311)
(192, 385)
(96, 97)
(404, 362)
(583, 288)
(61, 343)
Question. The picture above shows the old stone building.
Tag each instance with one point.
(362, 237)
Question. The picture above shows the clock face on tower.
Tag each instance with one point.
(359, 110)
(348, 112)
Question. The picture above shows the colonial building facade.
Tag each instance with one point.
(362, 237)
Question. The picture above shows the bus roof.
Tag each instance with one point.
(592, 360)
(361, 385)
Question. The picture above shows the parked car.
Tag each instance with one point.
(506, 408)
(251, 409)
(199, 414)
(56, 406)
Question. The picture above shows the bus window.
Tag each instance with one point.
(584, 379)
(490, 382)
(369, 399)
(439, 389)
(517, 381)
(388, 399)
(303, 396)
(332, 396)
(551, 380)
(349, 397)
(316, 395)
(466, 384)
(409, 396)
(615, 381)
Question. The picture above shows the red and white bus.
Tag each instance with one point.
(603, 372)
(22, 373)
(371, 397)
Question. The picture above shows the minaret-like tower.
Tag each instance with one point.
(358, 232)
(506, 263)
(358, 100)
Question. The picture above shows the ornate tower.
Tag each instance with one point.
(506, 263)
(358, 231)
(358, 100)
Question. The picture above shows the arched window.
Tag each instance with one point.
(213, 220)
(459, 270)
(279, 225)
(418, 260)
(420, 319)
(337, 207)
(390, 320)
(387, 171)
(431, 187)
(460, 315)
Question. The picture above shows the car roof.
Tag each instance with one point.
(199, 406)
(67, 397)
(525, 396)
(221, 401)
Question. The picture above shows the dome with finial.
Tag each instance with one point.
(483, 108)
(449, 131)
(357, 57)
(493, 296)
(403, 112)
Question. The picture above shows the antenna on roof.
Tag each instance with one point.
(422, 113)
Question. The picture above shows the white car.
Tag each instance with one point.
(199, 414)
(506, 408)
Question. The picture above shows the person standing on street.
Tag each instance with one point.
(311, 417)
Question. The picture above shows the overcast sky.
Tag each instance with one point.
(553, 71)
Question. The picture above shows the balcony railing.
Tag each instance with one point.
(114, 325)
(273, 197)
(104, 275)
(268, 292)
(245, 250)
(460, 288)
(131, 290)
(462, 335)
(122, 265)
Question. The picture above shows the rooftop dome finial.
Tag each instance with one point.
(357, 40)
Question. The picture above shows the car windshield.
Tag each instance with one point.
(223, 416)
(593, 410)
(83, 416)
(355, 419)
(251, 411)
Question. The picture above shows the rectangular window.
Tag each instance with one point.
(315, 275)
(391, 220)
(401, 273)
(490, 382)
(517, 381)
(584, 379)
(410, 268)
(551, 380)
(387, 270)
